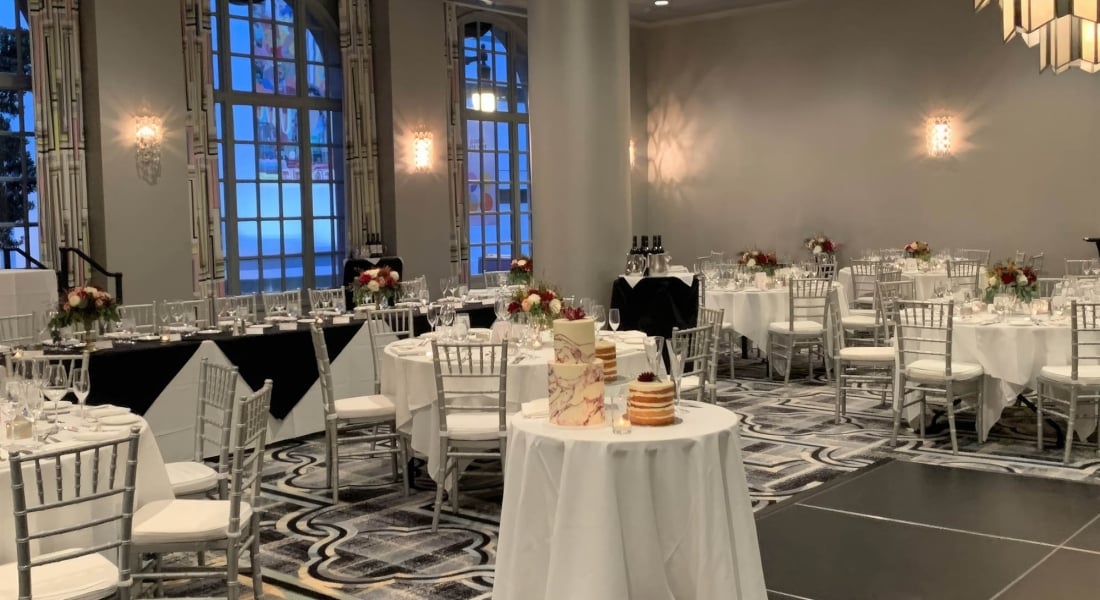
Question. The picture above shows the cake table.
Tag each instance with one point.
(661, 512)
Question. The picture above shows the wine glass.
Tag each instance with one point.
(447, 316)
(613, 319)
(500, 307)
(676, 350)
(599, 316)
(433, 316)
(164, 313)
(177, 312)
(463, 291)
(654, 346)
(81, 387)
(444, 285)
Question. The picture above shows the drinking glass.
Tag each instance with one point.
(447, 315)
(444, 285)
(423, 295)
(433, 316)
(599, 316)
(613, 319)
(177, 312)
(1058, 306)
(463, 291)
(676, 350)
(165, 313)
(81, 387)
(55, 383)
(654, 346)
(500, 307)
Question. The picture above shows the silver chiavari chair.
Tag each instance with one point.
(32, 365)
(962, 275)
(1048, 286)
(979, 256)
(1036, 262)
(385, 326)
(924, 335)
(281, 303)
(493, 279)
(856, 368)
(1076, 267)
(213, 428)
(1079, 380)
(698, 346)
(199, 526)
(375, 412)
(825, 269)
(804, 327)
(471, 386)
(864, 277)
(17, 330)
(1020, 257)
(144, 316)
(715, 317)
(197, 311)
(327, 300)
(101, 473)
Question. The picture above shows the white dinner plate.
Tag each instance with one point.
(147, 338)
(107, 410)
(96, 436)
(126, 419)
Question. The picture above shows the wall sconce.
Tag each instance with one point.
(422, 150)
(939, 137)
(148, 134)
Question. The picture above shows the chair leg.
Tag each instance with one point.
(923, 411)
(1069, 425)
(232, 572)
(503, 454)
(1039, 392)
(839, 392)
(951, 419)
(454, 488)
(897, 413)
(255, 557)
(771, 359)
(403, 449)
(439, 485)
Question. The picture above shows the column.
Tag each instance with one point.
(579, 53)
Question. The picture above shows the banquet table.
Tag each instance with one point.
(160, 380)
(408, 378)
(25, 291)
(749, 311)
(152, 484)
(661, 512)
(656, 304)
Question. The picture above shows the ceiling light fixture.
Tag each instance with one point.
(660, 2)
(1064, 30)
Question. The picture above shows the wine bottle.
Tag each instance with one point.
(658, 248)
(645, 246)
(633, 245)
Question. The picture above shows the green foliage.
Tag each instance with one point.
(15, 160)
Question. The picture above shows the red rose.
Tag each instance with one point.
(827, 246)
(514, 307)
(364, 279)
(1007, 278)
(546, 296)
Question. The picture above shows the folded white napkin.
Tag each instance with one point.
(536, 409)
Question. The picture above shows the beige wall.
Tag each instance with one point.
(776, 123)
(141, 228)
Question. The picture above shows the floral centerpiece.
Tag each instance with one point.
(821, 245)
(918, 250)
(539, 303)
(1010, 278)
(85, 306)
(374, 285)
(520, 271)
(758, 260)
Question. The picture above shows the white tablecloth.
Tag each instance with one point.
(686, 276)
(409, 380)
(750, 311)
(662, 512)
(926, 282)
(152, 484)
(25, 291)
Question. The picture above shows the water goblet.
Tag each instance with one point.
(433, 316)
(599, 316)
(81, 386)
(613, 320)
(676, 351)
(447, 315)
(654, 346)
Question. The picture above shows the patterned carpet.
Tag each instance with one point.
(377, 543)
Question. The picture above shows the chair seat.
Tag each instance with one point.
(865, 300)
(473, 426)
(1086, 374)
(868, 353)
(932, 369)
(190, 477)
(689, 383)
(859, 321)
(800, 327)
(169, 521)
(87, 577)
(363, 407)
(863, 312)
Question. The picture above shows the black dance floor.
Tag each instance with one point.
(909, 531)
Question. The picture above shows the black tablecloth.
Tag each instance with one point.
(136, 375)
(656, 304)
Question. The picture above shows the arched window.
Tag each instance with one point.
(277, 91)
(497, 149)
(18, 183)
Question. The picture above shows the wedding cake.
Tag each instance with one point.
(576, 376)
(605, 351)
(650, 401)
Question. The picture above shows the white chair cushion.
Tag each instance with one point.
(859, 321)
(933, 369)
(362, 407)
(863, 312)
(689, 383)
(473, 426)
(868, 353)
(87, 577)
(1086, 374)
(800, 327)
(166, 521)
(865, 300)
(190, 477)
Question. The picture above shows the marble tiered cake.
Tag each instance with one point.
(576, 376)
(605, 351)
(651, 402)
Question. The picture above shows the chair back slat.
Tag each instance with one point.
(924, 329)
(144, 316)
(29, 532)
(277, 303)
(471, 378)
(327, 299)
(980, 256)
(806, 300)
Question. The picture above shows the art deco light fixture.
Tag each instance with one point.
(422, 150)
(939, 137)
(148, 134)
(1065, 31)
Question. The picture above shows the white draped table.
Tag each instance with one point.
(926, 282)
(408, 378)
(750, 311)
(661, 512)
(152, 484)
(25, 291)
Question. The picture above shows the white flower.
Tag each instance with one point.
(526, 304)
(534, 299)
(821, 240)
(817, 249)
(555, 306)
(91, 290)
(74, 300)
(372, 286)
(750, 262)
(395, 276)
(372, 272)
(1021, 279)
(993, 281)
(521, 263)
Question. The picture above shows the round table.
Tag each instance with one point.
(408, 379)
(661, 512)
(926, 282)
(750, 311)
